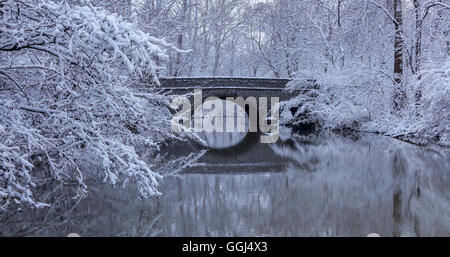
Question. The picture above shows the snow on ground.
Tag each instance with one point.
(362, 100)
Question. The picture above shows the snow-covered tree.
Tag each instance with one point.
(382, 58)
(67, 98)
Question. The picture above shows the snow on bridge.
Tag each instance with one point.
(228, 86)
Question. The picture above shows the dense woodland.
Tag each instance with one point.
(282, 38)
(68, 70)
(383, 66)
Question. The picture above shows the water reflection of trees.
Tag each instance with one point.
(335, 186)
(106, 211)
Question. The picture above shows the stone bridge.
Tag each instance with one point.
(222, 87)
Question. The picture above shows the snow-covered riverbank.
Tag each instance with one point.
(361, 100)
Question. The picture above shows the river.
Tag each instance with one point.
(323, 184)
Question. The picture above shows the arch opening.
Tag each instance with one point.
(224, 124)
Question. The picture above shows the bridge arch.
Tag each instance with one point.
(223, 87)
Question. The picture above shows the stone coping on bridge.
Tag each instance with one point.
(225, 77)
(223, 82)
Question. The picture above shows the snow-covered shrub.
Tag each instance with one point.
(67, 75)
(361, 99)
(434, 106)
(427, 115)
(335, 100)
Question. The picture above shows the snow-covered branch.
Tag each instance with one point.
(72, 64)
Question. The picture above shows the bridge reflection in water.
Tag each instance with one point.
(331, 185)
(227, 136)
(231, 151)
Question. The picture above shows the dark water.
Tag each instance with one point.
(319, 185)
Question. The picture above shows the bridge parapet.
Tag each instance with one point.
(224, 82)
(224, 87)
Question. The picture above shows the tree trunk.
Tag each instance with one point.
(206, 42)
(418, 39)
(288, 65)
(340, 36)
(232, 57)
(216, 60)
(180, 40)
(418, 50)
(178, 58)
(399, 94)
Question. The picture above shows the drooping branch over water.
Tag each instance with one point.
(64, 101)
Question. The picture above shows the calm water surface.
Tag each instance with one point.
(317, 185)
